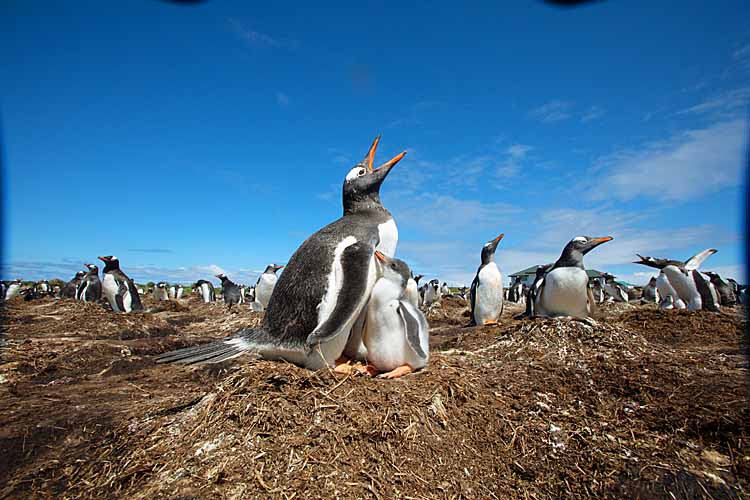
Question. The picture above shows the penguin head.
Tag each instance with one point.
(435, 284)
(110, 262)
(540, 270)
(488, 250)
(272, 268)
(361, 188)
(80, 274)
(161, 284)
(221, 276)
(418, 277)
(572, 254)
(391, 269)
(93, 268)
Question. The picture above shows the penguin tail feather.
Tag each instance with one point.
(246, 340)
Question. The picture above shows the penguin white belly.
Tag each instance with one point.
(109, 287)
(412, 293)
(665, 289)
(489, 295)
(685, 287)
(388, 233)
(178, 293)
(82, 295)
(12, 292)
(564, 293)
(205, 292)
(264, 289)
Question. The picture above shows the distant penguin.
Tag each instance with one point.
(90, 288)
(120, 291)
(444, 290)
(664, 289)
(432, 293)
(396, 332)
(614, 289)
(43, 287)
(650, 292)
(179, 290)
(13, 289)
(724, 288)
(487, 288)
(597, 290)
(172, 292)
(325, 286)
(265, 285)
(205, 290)
(690, 285)
(533, 292)
(57, 291)
(412, 291)
(515, 292)
(229, 290)
(243, 291)
(250, 295)
(3, 289)
(422, 290)
(160, 291)
(564, 291)
(71, 287)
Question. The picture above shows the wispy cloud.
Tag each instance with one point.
(257, 38)
(742, 53)
(690, 164)
(593, 113)
(730, 101)
(282, 99)
(552, 111)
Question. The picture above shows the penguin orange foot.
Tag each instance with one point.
(343, 365)
(398, 372)
(490, 322)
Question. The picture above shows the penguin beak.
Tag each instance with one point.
(103, 259)
(381, 257)
(371, 154)
(390, 163)
(595, 242)
(497, 240)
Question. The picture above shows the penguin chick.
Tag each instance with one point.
(396, 333)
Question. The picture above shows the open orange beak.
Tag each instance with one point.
(380, 256)
(370, 158)
(498, 238)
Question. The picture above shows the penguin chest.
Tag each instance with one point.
(110, 289)
(565, 293)
(489, 294)
(264, 288)
(12, 291)
(412, 294)
(685, 287)
(388, 233)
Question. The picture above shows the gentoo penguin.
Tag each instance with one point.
(250, 295)
(487, 288)
(515, 291)
(43, 287)
(265, 285)
(178, 292)
(160, 291)
(464, 292)
(205, 290)
(533, 292)
(725, 290)
(243, 290)
(690, 285)
(325, 285)
(422, 293)
(13, 289)
(432, 293)
(3, 289)
(57, 291)
(172, 292)
(597, 290)
(564, 291)
(650, 292)
(71, 287)
(412, 290)
(119, 290)
(90, 288)
(396, 333)
(230, 290)
(614, 289)
(444, 290)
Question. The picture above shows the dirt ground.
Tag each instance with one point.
(642, 403)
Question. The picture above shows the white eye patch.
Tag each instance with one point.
(580, 239)
(354, 173)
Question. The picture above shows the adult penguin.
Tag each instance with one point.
(564, 290)
(412, 290)
(71, 287)
(324, 287)
(118, 288)
(205, 290)
(650, 292)
(726, 293)
(487, 288)
(614, 289)
(265, 285)
(90, 288)
(230, 290)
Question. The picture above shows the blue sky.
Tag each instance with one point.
(188, 140)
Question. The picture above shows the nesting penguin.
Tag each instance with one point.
(325, 286)
(564, 290)
(179, 290)
(13, 289)
(616, 291)
(160, 291)
(432, 293)
(119, 290)
(230, 290)
(265, 285)
(688, 284)
(90, 288)
(487, 288)
(172, 292)
(725, 290)
(205, 290)
(71, 287)
(396, 333)
(650, 292)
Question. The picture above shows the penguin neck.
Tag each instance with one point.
(369, 202)
(570, 259)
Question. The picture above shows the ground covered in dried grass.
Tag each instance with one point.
(641, 403)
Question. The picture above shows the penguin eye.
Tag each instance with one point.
(361, 172)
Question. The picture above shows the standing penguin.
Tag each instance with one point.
(13, 289)
(564, 291)
(412, 290)
(3, 289)
(120, 291)
(487, 288)
(90, 288)
(205, 290)
(325, 286)
(650, 292)
(614, 289)
(229, 290)
(597, 290)
(172, 292)
(396, 333)
(432, 293)
(178, 292)
(726, 293)
(445, 290)
(688, 284)
(43, 287)
(265, 285)
(533, 291)
(160, 291)
(71, 287)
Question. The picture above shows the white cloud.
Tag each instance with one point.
(741, 53)
(727, 102)
(593, 113)
(518, 151)
(552, 111)
(446, 215)
(691, 164)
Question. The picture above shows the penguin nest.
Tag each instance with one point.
(639, 403)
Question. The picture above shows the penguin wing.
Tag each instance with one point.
(135, 298)
(534, 292)
(473, 295)
(696, 260)
(122, 289)
(355, 266)
(704, 289)
(415, 325)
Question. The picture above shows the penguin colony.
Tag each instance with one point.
(361, 309)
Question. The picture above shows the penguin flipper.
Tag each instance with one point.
(473, 298)
(415, 325)
(355, 265)
(707, 299)
(696, 260)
